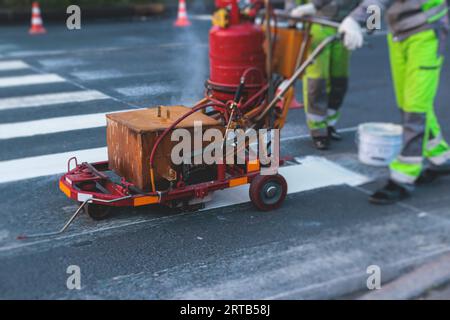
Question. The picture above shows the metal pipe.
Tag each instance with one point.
(302, 52)
(269, 48)
(64, 228)
(308, 19)
(72, 218)
(297, 74)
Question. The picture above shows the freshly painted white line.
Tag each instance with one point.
(97, 74)
(32, 167)
(13, 65)
(52, 125)
(31, 53)
(51, 99)
(313, 173)
(61, 62)
(19, 245)
(30, 80)
(148, 90)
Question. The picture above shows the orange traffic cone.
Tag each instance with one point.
(36, 20)
(182, 20)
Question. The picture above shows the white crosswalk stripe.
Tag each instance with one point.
(13, 65)
(137, 91)
(51, 99)
(51, 125)
(6, 82)
(33, 167)
(97, 74)
(322, 172)
(325, 173)
(313, 173)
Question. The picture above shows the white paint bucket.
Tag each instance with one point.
(379, 143)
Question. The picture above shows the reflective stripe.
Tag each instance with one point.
(434, 14)
(317, 125)
(402, 178)
(238, 181)
(332, 113)
(405, 172)
(410, 160)
(315, 118)
(333, 117)
(142, 201)
(434, 142)
(64, 189)
(400, 22)
(407, 17)
(440, 159)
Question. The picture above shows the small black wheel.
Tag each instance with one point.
(268, 192)
(97, 212)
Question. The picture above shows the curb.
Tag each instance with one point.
(415, 283)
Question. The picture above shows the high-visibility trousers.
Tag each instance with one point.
(325, 82)
(416, 64)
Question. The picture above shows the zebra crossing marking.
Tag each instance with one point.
(48, 99)
(13, 65)
(17, 81)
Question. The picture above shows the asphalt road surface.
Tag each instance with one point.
(54, 91)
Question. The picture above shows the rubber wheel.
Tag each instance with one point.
(268, 192)
(97, 212)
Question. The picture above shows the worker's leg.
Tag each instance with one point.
(421, 81)
(315, 84)
(437, 150)
(397, 58)
(339, 70)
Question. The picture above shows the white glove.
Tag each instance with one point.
(353, 35)
(304, 10)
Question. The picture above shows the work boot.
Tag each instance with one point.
(391, 193)
(321, 143)
(432, 172)
(333, 134)
(442, 169)
(427, 176)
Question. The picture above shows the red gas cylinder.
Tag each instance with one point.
(223, 3)
(232, 6)
(233, 51)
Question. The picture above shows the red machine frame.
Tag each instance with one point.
(89, 184)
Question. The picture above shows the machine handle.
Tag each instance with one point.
(240, 89)
(291, 81)
(308, 19)
(70, 161)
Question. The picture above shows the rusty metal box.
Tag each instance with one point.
(132, 134)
